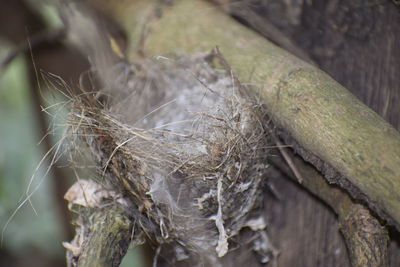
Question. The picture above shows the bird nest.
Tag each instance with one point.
(183, 147)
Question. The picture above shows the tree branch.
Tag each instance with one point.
(366, 239)
(326, 124)
(108, 240)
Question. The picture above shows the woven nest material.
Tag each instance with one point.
(184, 148)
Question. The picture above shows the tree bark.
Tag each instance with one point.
(108, 239)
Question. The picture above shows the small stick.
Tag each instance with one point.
(289, 161)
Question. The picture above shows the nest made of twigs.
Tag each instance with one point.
(184, 145)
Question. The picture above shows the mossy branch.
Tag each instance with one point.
(108, 240)
(366, 240)
(344, 138)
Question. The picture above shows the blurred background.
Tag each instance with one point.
(33, 231)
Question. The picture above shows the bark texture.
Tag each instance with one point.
(350, 40)
(108, 240)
